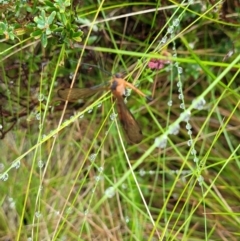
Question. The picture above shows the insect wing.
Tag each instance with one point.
(128, 122)
(75, 94)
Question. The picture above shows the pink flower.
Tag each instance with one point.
(159, 63)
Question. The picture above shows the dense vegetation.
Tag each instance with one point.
(81, 170)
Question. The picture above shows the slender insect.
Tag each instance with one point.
(118, 88)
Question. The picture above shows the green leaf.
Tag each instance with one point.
(3, 28)
(39, 21)
(48, 31)
(49, 3)
(61, 5)
(77, 36)
(51, 18)
(11, 35)
(62, 18)
(37, 33)
(44, 40)
(43, 14)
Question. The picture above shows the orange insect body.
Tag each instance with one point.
(131, 127)
(118, 89)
